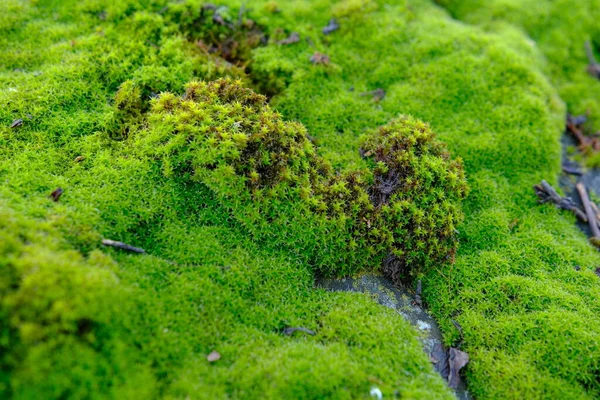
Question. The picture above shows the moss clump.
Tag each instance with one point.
(417, 192)
(269, 173)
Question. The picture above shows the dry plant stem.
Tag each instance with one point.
(546, 193)
(593, 67)
(123, 246)
(581, 138)
(588, 209)
(290, 330)
(596, 211)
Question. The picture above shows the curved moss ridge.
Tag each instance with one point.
(555, 33)
(269, 174)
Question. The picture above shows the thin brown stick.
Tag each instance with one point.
(589, 52)
(546, 193)
(123, 246)
(596, 211)
(588, 209)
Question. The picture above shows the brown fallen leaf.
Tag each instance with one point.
(448, 363)
(332, 26)
(320, 58)
(79, 158)
(378, 94)
(55, 195)
(439, 358)
(457, 360)
(213, 356)
(293, 38)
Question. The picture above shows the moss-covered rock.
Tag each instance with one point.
(489, 91)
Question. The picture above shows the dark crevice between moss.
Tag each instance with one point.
(227, 35)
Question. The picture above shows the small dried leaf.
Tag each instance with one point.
(439, 357)
(320, 58)
(378, 94)
(213, 356)
(457, 360)
(332, 26)
(55, 195)
(16, 123)
(293, 38)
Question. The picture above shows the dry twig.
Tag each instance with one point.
(546, 193)
(289, 331)
(588, 210)
(593, 66)
(122, 246)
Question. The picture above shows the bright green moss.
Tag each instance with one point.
(130, 326)
(60, 312)
(491, 98)
(529, 319)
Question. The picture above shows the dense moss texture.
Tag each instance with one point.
(530, 320)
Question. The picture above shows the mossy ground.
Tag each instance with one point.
(530, 320)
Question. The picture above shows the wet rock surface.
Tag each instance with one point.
(401, 300)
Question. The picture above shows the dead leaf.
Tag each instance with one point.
(213, 356)
(16, 123)
(378, 94)
(293, 38)
(439, 358)
(332, 26)
(457, 360)
(55, 195)
(320, 58)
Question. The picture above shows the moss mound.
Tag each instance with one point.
(269, 174)
(417, 191)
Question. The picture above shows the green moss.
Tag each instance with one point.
(489, 95)
(555, 31)
(529, 319)
(80, 320)
(417, 189)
